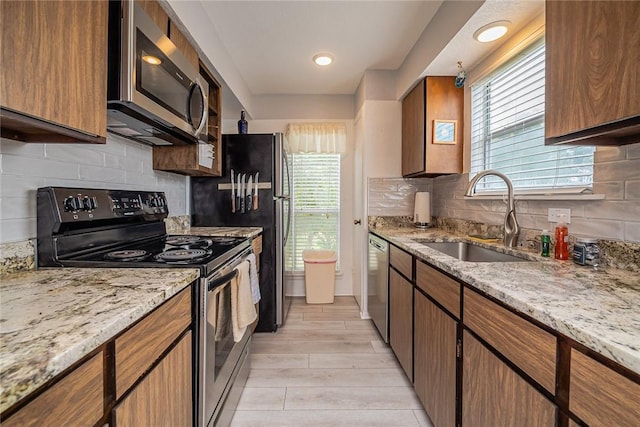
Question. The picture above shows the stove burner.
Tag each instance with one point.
(127, 255)
(182, 255)
(184, 240)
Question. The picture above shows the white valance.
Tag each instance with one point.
(322, 138)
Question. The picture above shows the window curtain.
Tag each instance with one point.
(321, 138)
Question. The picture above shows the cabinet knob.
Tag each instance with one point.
(357, 222)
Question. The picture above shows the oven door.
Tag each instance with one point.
(221, 353)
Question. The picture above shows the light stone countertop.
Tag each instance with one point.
(248, 232)
(51, 318)
(598, 309)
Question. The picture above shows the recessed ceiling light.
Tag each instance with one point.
(323, 59)
(491, 32)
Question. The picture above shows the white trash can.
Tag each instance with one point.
(319, 276)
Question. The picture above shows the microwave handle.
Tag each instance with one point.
(205, 110)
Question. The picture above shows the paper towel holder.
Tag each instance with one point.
(422, 210)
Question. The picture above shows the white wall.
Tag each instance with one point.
(118, 164)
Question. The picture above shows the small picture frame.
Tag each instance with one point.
(445, 132)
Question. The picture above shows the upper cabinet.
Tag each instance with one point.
(432, 123)
(592, 72)
(53, 78)
(197, 159)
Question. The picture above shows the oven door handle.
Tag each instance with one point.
(222, 280)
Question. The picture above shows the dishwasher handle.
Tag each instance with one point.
(377, 245)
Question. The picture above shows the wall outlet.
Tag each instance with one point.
(554, 215)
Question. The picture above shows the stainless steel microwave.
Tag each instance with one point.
(154, 94)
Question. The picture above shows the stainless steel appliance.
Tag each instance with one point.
(122, 228)
(254, 167)
(378, 284)
(154, 94)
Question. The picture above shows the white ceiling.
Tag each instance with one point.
(271, 43)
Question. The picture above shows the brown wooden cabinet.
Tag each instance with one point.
(495, 395)
(197, 159)
(164, 396)
(435, 344)
(401, 320)
(530, 348)
(77, 399)
(53, 77)
(592, 72)
(600, 396)
(434, 98)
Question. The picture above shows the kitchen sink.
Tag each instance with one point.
(469, 252)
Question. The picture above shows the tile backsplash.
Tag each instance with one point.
(394, 196)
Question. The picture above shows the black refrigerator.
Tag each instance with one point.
(248, 158)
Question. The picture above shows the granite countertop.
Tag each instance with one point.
(248, 232)
(52, 318)
(597, 308)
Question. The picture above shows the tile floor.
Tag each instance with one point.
(326, 367)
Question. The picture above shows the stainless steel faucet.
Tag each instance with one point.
(511, 227)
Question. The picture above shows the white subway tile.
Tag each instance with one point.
(602, 228)
(17, 230)
(71, 153)
(613, 190)
(15, 165)
(607, 154)
(617, 171)
(632, 231)
(18, 186)
(18, 207)
(101, 174)
(632, 190)
(21, 149)
(620, 210)
(633, 151)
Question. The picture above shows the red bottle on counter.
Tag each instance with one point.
(562, 240)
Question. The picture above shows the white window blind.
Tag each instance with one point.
(507, 131)
(315, 198)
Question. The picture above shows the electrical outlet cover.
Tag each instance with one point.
(554, 215)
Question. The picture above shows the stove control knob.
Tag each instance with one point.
(153, 202)
(72, 204)
(89, 203)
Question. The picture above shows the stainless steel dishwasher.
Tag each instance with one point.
(378, 284)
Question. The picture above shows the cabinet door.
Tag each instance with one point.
(400, 320)
(435, 361)
(599, 81)
(77, 399)
(413, 131)
(493, 395)
(183, 44)
(156, 13)
(601, 396)
(54, 64)
(164, 397)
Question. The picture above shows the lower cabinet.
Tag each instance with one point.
(164, 397)
(77, 399)
(435, 342)
(494, 395)
(401, 320)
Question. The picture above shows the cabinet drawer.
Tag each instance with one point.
(402, 261)
(601, 396)
(143, 344)
(74, 400)
(440, 287)
(532, 349)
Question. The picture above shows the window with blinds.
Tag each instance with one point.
(315, 198)
(507, 132)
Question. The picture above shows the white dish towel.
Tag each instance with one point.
(243, 311)
(253, 276)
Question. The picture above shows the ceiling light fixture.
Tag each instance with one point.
(492, 31)
(323, 59)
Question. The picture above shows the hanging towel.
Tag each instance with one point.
(243, 312)
(253, 275)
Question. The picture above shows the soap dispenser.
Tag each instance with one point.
(562, 239)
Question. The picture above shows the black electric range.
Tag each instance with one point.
(120, 228)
